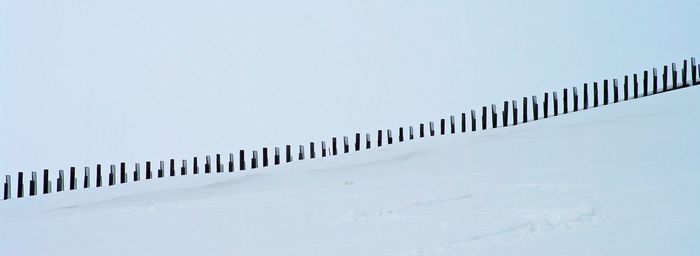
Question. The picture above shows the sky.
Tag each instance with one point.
(88, 82)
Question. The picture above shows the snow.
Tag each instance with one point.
(616, 180)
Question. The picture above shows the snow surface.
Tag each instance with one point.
(618, 180)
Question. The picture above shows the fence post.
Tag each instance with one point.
(595, 94)
(162, 168)
(645, 83)
(545, 107)
(389, 137)
(575, 99)
(464, 122)
(535, 108)
(615, 93)
(60, 182)
(32, 184)
(452, 124)
(137, 172)
(183, 169)
(207, 164)
(72, 180)
(219, 166)
(254, 160)
(525, 109)
(626, 87)
(368, 142)
(20, 184)
(483, 118)
(674, 74)
(605, 92)
(585, 96)
(442, 126)
(566, 101)
(655, 81)
(312, 150)
(357, 141)
(231, 162)
(473, 120)
(515, 112)
(46, 184)
(112, 176)
(323, 149)
(636, 87)
(149, 174)
(494, 116)
(241, 160)
(122, 172)
(684, 73)
(86, 180)
(694, 70)
(98, 177)
(8, 188)
(346, 145)
(665, 78)
(504, 113)
(301, 152)
(265, 155)
(421, 132)
(400, 134)
(555, 100)
(277, 153)
(334, 146)
(288, 154)
(432, 128)
(410, 132)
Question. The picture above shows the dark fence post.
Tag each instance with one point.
(265, 155)
(473, 120)
(112, 175)
(665, 78)
(410, 132)
(32, 184)
(323, 149)
(464, 122)
(575, 99)
(162, 168)
(149, 174)
(605, 92)
(301, 152)
(525, 109)
(379, 138)
(566, 101)
(20, 184)
(98, 177)
(357, 141)
(277, 154)
(73, 180)
(645, 83)
(442, 126)
(86, 180)
(515, 112)
(60, 182)
(172, 166)
(389, 137)
(694, 70)
(674, 75)
(421, 132)
(432, 128)
(400, 134)
(219, 166)
(655, 81)
(183, 168)
(636, 87)
(626, 87)
(535, 108)
(288, 155)
(504, 113)
(595, 94)
(615, 91)
(254, 160)
(346, 145)
(483, 118)
(335, 146)
(585, 96)
(207, 164)
(684, 73)
(555, 100)
(545, 107)
(368, 142)
(494, 116)
(231, 163)
(122, 172)
(241, 160)
(452, 124)
(137, 172)
(7, 191)
(47, 186)
(195, 167)
(312, 150)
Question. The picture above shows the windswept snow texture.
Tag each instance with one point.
(619, 180)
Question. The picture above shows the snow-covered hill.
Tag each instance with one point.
(618, 180)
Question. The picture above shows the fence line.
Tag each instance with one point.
(123, 177)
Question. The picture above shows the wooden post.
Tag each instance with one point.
(535, 108)
(595, 94)
(525, 109)
(72, 182)
(289, 153)
(645, 83)
(575, 99)
(626, 87)
(231, 163)
(346, 145)
(301, 152)
(254, 159)
(60, 182)
(555, 100)
(46, 184)
(483, 118)
(312, 150)
(566, 101)
(162, 168)
(86, 180)
(655, 81)
(421, 132)
(219, 167)
(504, 113)
(207, 164)
(265, 155)
(410, 132)
(357, 141)
(694, 71)
(183, 168)
(494, 116)
(545, 105)
(684, 73)
(334, 146)
(674, 75)
(585, 96)
(400, 134)
(665, 78)
(442, 126)
(636, 86)
(149, 174)
(368, 142)
(389, 137)
(98, 177)
(616, 97)
(277, 153)
(137, 172)
(112, 176)
(473, 120)
(32, 184)
(8, 188)
(122, 172)
(452, 124)
(432, 128)
(20, 184)
(464, 122)
(515, 112)
(323, 149)
(241, 160)
(605, 92)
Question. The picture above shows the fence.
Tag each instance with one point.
(509, 116)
